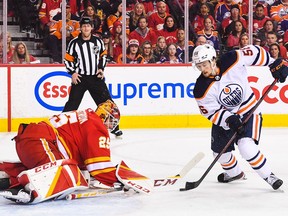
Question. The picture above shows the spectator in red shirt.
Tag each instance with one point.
(10, 46)
(274, 50)
(47, 11)
(269, 26)
(259, 18)
(21, 55)
(271, 39)
(117, 48)
(169, 31)
(143, 33)
(233, 38)
(195, 9)
(235, 15)
(198, 22)
(156, 20)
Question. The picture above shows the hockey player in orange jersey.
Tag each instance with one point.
(51, 153)
(225, 97)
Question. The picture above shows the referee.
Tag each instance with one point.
(85, 60)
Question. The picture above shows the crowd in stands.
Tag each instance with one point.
(155, 28)
(18, 54)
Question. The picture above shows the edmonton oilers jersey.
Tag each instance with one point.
(229, 92)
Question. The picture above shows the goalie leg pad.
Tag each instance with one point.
(52, 180)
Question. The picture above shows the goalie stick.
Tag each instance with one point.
(192, 185)
(91, 193)
(96, 192)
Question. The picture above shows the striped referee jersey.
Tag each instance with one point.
(85, 56)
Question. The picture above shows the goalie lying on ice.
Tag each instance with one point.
(53, 152)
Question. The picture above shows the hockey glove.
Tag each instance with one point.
(279, 70)
(235, 124)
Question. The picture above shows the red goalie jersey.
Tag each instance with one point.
(77, 135)
(83, 137)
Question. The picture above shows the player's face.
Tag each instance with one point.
(205, 68)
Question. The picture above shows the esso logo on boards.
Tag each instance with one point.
(52, 90)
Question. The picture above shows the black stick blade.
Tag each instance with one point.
(190, 186)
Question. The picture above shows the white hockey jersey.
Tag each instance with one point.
(229, 92)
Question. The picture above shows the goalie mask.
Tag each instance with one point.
(109, 113)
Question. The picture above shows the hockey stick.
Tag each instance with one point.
(192, 185)
(172, 180)
(96, 192)
(90, 193)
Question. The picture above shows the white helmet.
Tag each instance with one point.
(203, 53)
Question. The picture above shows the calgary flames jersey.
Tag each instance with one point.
(82, 136)
(229, 92)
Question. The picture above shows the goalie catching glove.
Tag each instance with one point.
(279, 70)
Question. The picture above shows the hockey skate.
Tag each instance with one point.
(18, 195)
(274, 181)
(117, 132)
(225, 178)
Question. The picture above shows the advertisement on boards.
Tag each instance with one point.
(144, 91)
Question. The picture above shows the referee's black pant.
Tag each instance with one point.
(95, 86)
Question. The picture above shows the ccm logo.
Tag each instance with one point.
(164, 182)
(138, 187)
(45, 166)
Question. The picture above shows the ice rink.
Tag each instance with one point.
(160, 153)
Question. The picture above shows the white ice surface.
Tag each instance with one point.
(163, 152)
